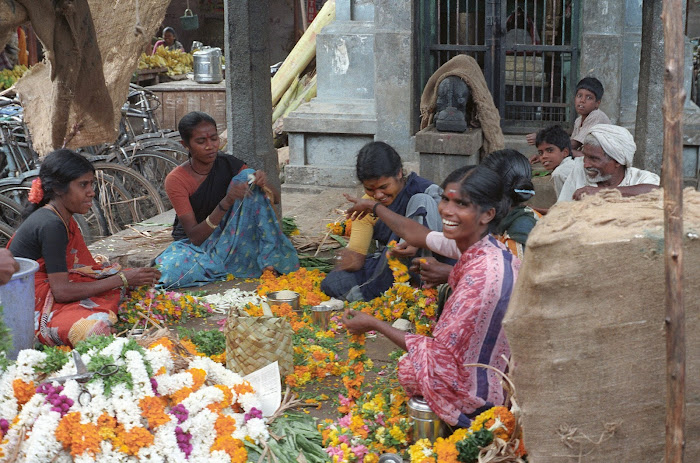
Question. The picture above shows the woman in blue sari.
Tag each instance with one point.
(225, 223)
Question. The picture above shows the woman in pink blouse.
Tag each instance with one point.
(469, 329)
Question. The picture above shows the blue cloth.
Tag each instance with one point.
(247, 240)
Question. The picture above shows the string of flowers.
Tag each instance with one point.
(161, 305)
(341, 227)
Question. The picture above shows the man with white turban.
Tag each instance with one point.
(608, 151)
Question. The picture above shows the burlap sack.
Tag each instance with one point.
(92, 49)
(586, 329)
(255, 342)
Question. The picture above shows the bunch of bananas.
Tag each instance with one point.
(177, 62)
(8, 77)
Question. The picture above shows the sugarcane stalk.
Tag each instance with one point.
(305, 96)
(303, 52)
(286, 98)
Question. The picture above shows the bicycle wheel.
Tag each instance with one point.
(126, 197)
(162, 145)
(155, 167)
(10, 212)
(6, 233)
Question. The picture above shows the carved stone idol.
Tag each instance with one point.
(451, 107)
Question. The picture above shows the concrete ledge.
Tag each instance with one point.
(333, 117)
(139, 245)
(336, 176)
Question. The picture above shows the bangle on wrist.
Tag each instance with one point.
(125, 282)
(209, 222)
(374, 208)
(222, 208)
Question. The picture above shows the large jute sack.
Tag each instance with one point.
(586, 330)
(255, 342)
(75, 96)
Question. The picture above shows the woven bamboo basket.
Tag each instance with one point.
(255, 342)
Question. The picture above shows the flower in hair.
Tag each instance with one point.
(36, 193)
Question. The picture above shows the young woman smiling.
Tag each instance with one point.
(469, 329)
(75, 296)
(224, 222)
(362, 276)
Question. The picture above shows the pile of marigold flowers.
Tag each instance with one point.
(160, 305)
(305, 282)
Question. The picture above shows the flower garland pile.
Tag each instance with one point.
(377, 423)
(160, 305)
(146, 412)
(492, 432)
(305, 282)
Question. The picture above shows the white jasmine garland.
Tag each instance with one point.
(126, 407)
(249, 400)
(201, 426)
(168, 385)
(139, 375)
(115, 348)
(200, 399)
(159, 357)
(8, 402)
(42, 446)
(257, 430)
(26, 361)
(233, 297)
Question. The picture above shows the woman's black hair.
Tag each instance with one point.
(190, 121)
(171, 30)
(57, 170)
(483, 187)
(516, 173)
(377, 159)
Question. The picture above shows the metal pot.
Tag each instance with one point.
(207, 66)
(426, 423)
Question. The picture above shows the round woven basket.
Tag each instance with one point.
(255, 342)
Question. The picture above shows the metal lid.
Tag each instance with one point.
(322, 308)
(207, 51)
(418, 408)
(390, 458)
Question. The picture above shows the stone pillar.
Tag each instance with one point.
(631, 48)
(649, 127)
(248, 94)
(603, 22)
(394, 95)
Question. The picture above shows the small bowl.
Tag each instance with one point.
(284, 297)
(390, 458)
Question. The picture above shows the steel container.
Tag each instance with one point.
(207, 66)
(426, 423)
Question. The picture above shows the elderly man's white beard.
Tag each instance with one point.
(598, 177)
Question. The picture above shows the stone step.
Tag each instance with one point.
(330, 116)
(518, 142)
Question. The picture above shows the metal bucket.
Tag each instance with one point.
(207, 66)
(189, 21)
(17, 300)
(390, 458)
(426, 423)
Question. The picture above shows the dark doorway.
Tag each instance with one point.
(528, 50)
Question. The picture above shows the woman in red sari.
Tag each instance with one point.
(75, 297)
(469, 329)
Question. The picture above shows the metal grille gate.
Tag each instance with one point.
(528, 50)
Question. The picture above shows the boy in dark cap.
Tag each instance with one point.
(589, 93)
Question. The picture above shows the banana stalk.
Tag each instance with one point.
(305, 96)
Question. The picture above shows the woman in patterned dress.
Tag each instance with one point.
(469, 329)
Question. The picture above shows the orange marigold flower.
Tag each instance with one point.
(153, 409)
(134, 439)
(23, 391)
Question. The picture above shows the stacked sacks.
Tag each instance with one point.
(586, 329)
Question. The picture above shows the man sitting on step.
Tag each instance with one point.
(608, 152)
